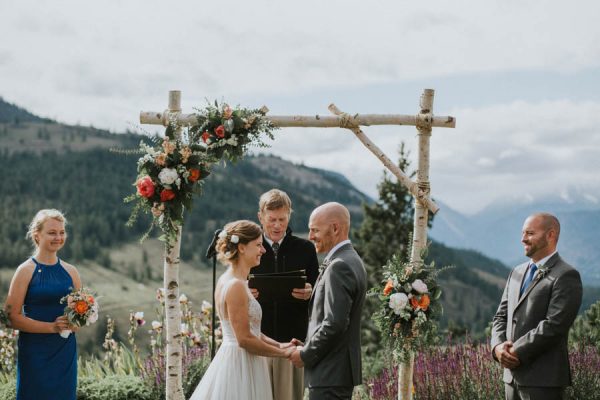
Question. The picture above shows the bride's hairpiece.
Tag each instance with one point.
(233, 239)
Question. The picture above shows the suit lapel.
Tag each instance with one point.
(536, 279)
(333, 256)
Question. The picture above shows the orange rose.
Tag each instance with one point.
(194, 174)
(220, 131)
(388, 287)
(205, 136)
(422, 303)
(81, 307)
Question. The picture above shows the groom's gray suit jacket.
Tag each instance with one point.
(331, 354)
(538, 323)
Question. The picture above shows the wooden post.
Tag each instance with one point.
(174, 349)
(405, 372)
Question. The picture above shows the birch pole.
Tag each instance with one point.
(405, 372)
(173, 379)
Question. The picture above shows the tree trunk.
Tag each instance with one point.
(173, 379)
(405, 372)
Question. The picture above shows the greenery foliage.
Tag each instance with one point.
(409, 306)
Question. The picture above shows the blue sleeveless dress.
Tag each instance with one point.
(46, 363)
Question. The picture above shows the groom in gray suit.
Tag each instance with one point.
(530, 329)
(331, 355)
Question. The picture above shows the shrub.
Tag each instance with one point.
(8, 390)
(113, 387)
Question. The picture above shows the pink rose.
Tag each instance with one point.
(145, 187)
(220, 131)
(227, 112)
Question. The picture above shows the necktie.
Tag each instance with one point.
(275, 248)
(529, 278)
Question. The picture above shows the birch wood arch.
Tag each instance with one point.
(424, 121)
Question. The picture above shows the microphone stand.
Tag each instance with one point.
(211, 252)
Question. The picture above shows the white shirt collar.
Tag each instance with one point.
(337, 246)
(543, 261)
(271, 242)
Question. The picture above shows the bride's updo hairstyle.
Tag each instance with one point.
(233, 234)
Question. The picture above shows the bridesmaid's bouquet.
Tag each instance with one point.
(81, 309)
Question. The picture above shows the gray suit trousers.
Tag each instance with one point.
(516, 392)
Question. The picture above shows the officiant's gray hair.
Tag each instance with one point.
(274, 199)
(245, 231)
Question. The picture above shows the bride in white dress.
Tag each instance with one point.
(239, 369)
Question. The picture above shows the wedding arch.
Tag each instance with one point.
(424, 121)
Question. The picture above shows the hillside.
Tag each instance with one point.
(71, 168)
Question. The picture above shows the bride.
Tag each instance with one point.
(239, 369)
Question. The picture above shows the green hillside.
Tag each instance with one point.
(71, 168)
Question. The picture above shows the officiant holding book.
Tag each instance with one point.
(284, 318)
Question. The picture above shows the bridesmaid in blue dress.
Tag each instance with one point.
(46, 362)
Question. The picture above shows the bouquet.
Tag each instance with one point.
(409, 304)
(81, 309)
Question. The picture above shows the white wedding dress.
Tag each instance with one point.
(235, 374)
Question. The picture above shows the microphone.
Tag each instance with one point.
(212, 251)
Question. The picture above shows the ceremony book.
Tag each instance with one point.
(277, 286)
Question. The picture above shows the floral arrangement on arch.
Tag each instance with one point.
(409, 306)
(171, 171)
(228, 132)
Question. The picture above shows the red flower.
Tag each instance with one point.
(194, 174)
(167, 195)
(220, 131)
(205, 136)
(145, 187)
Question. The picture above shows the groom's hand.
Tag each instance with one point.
(296, 359)
(303, 294)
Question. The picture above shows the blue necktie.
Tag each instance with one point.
(529, 279)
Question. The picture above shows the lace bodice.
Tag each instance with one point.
(254, 312)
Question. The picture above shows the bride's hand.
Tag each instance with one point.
(286, 345)
(287, 352)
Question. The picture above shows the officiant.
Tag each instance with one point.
(284, 320)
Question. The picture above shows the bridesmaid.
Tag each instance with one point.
(46, 363)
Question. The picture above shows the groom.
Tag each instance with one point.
(331, 355)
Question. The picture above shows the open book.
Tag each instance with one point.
(277, 285)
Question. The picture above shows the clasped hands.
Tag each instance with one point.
(292, 352)
(506, 355)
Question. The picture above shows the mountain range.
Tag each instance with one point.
(496, 230)
(48, 164)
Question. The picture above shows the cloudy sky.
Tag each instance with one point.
(521, 77)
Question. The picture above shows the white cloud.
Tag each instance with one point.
(101, 63)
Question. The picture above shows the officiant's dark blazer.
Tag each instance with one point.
(331, 354)
(538, 323)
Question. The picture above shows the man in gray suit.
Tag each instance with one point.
(331, 355)
(530, 329)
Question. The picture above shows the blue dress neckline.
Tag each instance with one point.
(46, 265)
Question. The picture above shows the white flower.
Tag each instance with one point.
(138, 315)
(227, 254)
(183, 298)
(223, 234)
(235, 239)
(397, 302)
(156, 325)
(419, 286)
(206, 307)
(167, 176)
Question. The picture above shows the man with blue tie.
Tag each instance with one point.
(531, 327)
